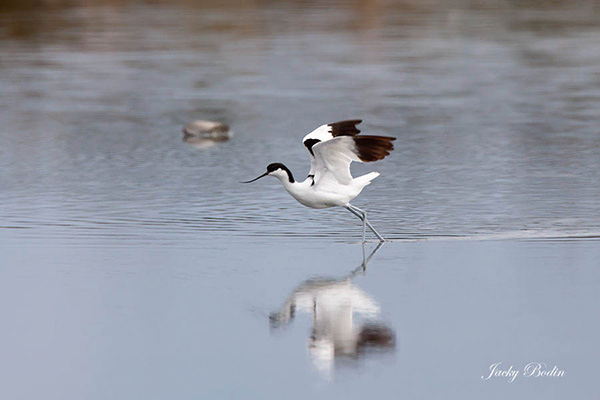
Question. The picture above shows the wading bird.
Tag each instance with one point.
(332, 147)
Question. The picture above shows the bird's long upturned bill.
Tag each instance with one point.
(257, 178)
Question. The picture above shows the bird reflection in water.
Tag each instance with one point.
(334, 305)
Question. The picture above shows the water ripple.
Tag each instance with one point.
(90, 146)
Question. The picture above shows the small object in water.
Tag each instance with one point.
(203, 133)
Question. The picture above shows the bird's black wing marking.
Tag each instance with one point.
(309, 143)
(373, 148)
(345, 128)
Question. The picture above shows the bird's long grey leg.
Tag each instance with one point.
(359, 215)
(366, 222)
(364, 227)
(354, 212)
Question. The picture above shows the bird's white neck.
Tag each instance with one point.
(285, 176)
(290, 184)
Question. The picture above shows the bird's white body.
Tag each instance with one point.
(326, 194)
(332, 148)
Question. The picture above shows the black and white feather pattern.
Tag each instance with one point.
(368, 148)
(347, 146)
(352, 146)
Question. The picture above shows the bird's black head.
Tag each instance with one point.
(277, 169)
(275, 166)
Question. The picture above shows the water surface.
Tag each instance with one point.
(136, 266)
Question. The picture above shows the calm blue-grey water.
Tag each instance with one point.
(134, 265)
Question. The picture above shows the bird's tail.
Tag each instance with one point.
(364, 180)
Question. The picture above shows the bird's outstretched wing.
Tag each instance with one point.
(327, 132)
(333, 147)
(332, 160)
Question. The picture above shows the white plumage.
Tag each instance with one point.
(332, 148)
(334, 156)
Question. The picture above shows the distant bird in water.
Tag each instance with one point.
(332, 147)
(204, 134)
